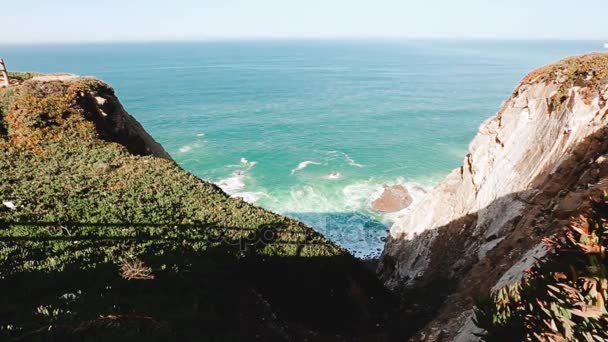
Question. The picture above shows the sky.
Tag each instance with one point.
(31, 21)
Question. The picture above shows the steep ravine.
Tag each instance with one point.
(103, 237)
(529, 169)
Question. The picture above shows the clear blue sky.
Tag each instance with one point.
(118, 20)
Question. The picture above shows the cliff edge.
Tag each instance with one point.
(104, 237)
(529, 169)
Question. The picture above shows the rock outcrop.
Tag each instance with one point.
(529, 168)
(119, 126)
(112, 120)
(392, 199)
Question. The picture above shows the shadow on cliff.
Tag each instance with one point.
(229, 290)
(437, 303)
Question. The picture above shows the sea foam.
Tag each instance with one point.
(338, 209)
(334, 175)
(343, 212)
(185, 148)
(233, 184)
(303, 165)
(346, 157)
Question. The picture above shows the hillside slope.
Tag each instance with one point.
(103, 236)
(529, 169)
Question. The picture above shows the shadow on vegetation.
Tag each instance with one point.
(231, 289)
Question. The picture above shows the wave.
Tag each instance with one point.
(189, 147)
(348, 158)
(334, 175)
(236, 181)
(186, 148)
(303, 165)
(343, 213)
(232, 184)
(198, 143)
(340, 211)
(335, 197)
(351, 161)
(249, 164)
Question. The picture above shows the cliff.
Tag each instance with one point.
(530, 168)
(103, 236)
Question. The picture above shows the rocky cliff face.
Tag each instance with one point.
(112, 121)
(529, 168)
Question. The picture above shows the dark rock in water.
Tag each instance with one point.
(394, 198)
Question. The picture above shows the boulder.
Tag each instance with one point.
(393, 198)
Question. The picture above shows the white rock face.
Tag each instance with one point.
(513, 148)
(513, 168)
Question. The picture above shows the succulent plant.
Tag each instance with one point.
(563, 297)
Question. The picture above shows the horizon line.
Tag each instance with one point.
(299, 38)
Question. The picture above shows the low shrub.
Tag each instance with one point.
(564, 296)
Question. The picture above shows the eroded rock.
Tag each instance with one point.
(393, 199)
(539, 156)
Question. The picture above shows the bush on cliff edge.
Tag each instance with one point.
(564, 297)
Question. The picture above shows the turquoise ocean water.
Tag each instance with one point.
(310, 129)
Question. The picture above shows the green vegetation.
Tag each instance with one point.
(22, 76)
(564, 297)
(104, 242)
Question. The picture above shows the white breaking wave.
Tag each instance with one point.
(231, 185)
(351, 161)
(303, 165)
(236, 182)
(190, 147)
(186, 148)
(348, 158)
(341, 212)
(333, 197)
(334, 175)
(249, 164)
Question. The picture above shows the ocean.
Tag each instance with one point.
(310, 129)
